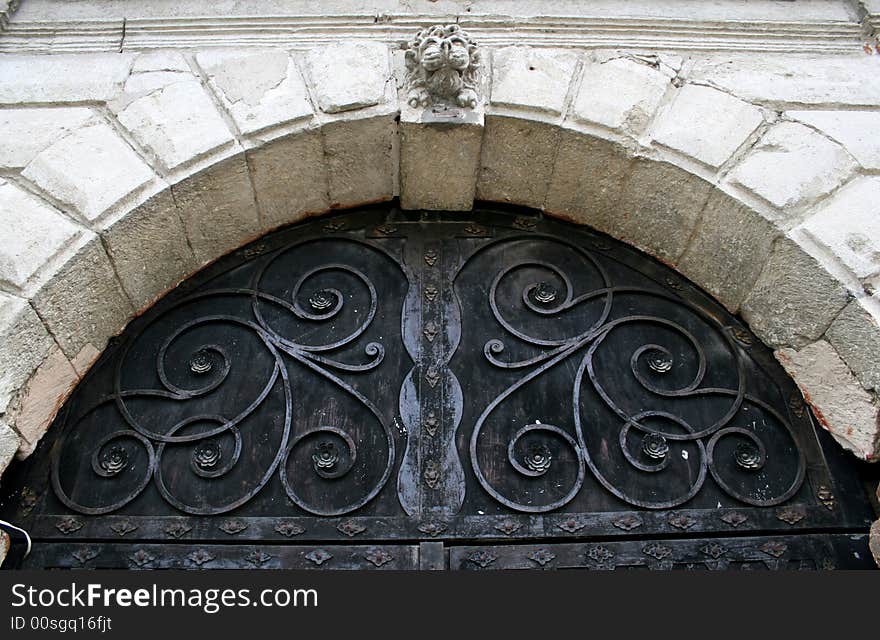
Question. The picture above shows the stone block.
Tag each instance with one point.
(5, 544)
(791, 165)
(659, 208)
(177, 123)
(41, 399)
(439, 160)
(794, 300)
(588, 177)
(349, 75)
(290, 178)
(26, 132)
(874, 541)
(679, 126)
(786, 78)
(517, 160)
(728, 249)
(855, 130)
(360, 156)
(848, 225)
(149, 249)
(217, 208)
(259, 88)
(620, 94)
(532, 78)
(89, 170)
(24, 342)
(9, 443)
(855, 335)
(839, 402)
(92, 77)
(83, 302)
(34, 234)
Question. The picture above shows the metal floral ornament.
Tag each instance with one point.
(442, 67)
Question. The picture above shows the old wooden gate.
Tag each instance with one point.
(402, 390)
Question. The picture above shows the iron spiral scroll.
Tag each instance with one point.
(189, 427)
(628, 443)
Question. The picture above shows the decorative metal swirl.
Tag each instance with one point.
(651, 438)
(305, 323)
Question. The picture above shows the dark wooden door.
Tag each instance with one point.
(402, 389)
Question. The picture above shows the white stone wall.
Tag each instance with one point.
(756, 176)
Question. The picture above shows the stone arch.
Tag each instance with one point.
(119, 186)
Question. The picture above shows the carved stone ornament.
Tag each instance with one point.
(442, 67)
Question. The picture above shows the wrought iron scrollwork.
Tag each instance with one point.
(675, 412)
(311, 312)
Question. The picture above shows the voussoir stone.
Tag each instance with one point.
(794, 299)
(89, 170)
(855, 130)
(848, 225)
(517, 160)
(24, 342)
(156, 224)
(260, 89)
(26, 132)
(855, 335)
(4, 546)
(62, 78)
(620, 94)
(9, 443)
(733, 121)
(360, 155)
(839, 402)
(792, 164)
(658, 197)
(349, 75)
(532, 78)
(34, 234)
(177, 123)
(874, 541)
(728, 249)
(83, 304)
(218, 208)
(290, 177)
(588, 177)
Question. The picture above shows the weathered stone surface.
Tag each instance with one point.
(42, 397)
(874, 541)
(83, 303)
(4, 546)
(33, 234)
(146, 274)
(177, 123)
(733, 121)
(60, 78)
(360, 159)
(532, 78)
(587, 180)
(659, 197)
(855, 130)
(26, 132)
(217, 208)
(259, 88)
(839, 402)
(794, 78)
(848, 225)
(728, 249)
(791, 165)
(439, 164)
(24, 342)
(855, 335)
(349, 75)
(794, 299)
(290, 178)
(89, 170)
(9, 443)
(621, 94)
(517, 160)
